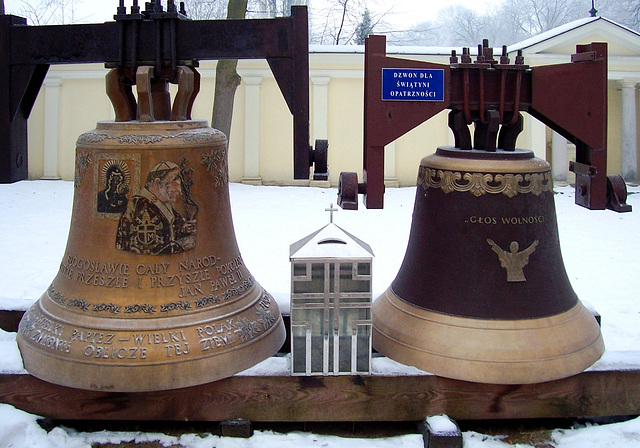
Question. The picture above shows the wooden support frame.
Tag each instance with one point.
(28, 51)
(283, 398)
(363, 398)
(376, 397)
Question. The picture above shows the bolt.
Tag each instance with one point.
(454, 58)
(466, 57)
(504, 59)
(480, 57)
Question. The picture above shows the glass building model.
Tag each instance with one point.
(330, 304)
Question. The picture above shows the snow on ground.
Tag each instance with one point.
(600, 251)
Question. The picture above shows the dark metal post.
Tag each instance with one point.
(18, 91)
(300, 113)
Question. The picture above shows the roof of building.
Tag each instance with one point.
(567, 27)
(330, 241)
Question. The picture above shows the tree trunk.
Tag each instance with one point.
(227, 78)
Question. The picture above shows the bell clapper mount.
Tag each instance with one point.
(151, 78)
(489, 93)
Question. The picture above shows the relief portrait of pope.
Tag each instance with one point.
(151, 225)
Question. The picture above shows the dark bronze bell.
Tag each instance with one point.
(482, 294)
(152, 292)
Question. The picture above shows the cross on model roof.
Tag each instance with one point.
(331, 210)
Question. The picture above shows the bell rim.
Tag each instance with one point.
(275, 328)
(131, 378)
(431, 354)
(169, 373)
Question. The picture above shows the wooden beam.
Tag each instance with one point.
(284, 398)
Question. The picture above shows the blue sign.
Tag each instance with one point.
(412, 84)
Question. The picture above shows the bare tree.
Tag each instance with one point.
(429, 33)
(462, 26)
(526, 18)
(49, 12)
(269, 8)
(227, 78)
(206, 9)
(336, 22)
(510, 22)
(625, 12)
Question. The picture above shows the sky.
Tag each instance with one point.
(405, 13)
(402, 14)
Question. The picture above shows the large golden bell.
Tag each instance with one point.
(152, 292)
(482, 294)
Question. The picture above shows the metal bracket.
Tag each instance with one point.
(617, 194)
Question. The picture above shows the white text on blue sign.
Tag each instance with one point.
(412, 84)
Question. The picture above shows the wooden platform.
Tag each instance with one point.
(376, 397)
(348, 398)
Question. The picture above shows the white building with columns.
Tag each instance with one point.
(72, 100)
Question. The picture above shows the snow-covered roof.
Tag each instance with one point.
(562, 29)
(391, 49)
(331, 241)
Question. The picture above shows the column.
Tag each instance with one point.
(629, 169)
(559, 158)
(320, 107)
(252, 130)
(390, 176)
(51, 125)
(320, 117)
(536, 134)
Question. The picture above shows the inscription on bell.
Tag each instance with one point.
(137, 346)
(92, 337)
(164, 337)
(44, 332)
(150, 269)
(196, 278)
(95, 272)
(505, 220)
(198, 263)
(213, 335)
(102, 352)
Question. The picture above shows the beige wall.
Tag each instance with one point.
(82, 102)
